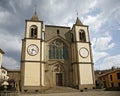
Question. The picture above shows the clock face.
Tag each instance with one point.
(32, 49)
(84, 52)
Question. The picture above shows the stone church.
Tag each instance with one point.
(56, 56)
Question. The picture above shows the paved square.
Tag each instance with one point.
(66, 91)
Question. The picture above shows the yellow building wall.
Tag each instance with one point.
(86, 74)
(114, 80)
(32, 74)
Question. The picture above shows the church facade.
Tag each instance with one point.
(56, 56)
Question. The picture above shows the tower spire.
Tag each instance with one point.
(78, 22)
(35, 17)
(77, 13)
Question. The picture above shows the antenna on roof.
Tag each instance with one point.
(35, 8)
(77, 13)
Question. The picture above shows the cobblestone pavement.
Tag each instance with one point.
(66, 91)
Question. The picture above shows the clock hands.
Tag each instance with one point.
(32, 49)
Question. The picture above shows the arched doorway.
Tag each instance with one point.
(59, 75)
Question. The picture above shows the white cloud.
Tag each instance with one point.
(102, 43)
(8, 17)
(4, 17)
(10, 43)
(110, 61)
(22, 4)
(99, 55)
(109, 12)
(10, 63)
(95, 22)
(116, 13)
(61, 12)
(93, 4)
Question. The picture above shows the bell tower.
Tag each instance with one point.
(82, 61)
(1, 55)
(31, 70)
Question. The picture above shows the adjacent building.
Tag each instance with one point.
(3, 71)
(14, 79)
(109, 79)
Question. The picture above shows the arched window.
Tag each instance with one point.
(82, 36)
(58, 50)
(33, 31)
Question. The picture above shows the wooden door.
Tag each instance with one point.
(59, 79)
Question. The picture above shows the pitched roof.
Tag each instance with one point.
(4, 68)
(2, 51)
(109, 72)
(78, 22)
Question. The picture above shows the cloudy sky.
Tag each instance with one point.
(102, 17)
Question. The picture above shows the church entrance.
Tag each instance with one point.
(58, 75)
(59, 79)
